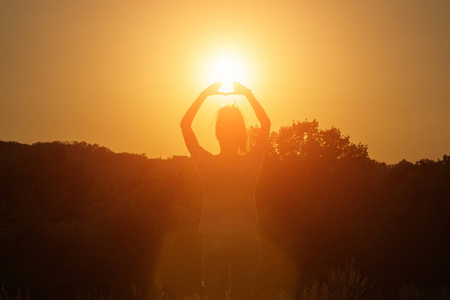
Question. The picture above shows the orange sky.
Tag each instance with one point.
(121, 74)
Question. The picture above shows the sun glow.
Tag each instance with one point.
(227, 68)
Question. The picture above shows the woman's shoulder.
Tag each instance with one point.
(202, 159)
(206, 156)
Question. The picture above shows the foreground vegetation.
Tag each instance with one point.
(78, 221)
(342, 283)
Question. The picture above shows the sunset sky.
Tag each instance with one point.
(122, 73)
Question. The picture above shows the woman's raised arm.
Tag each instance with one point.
(186, 122)
(263, 118)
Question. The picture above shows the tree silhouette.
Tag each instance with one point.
(304, 140)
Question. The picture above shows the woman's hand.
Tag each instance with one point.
(213, 89)
(239, 89)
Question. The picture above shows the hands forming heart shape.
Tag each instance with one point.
(214, 89)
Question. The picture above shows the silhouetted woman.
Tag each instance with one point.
(229, 217)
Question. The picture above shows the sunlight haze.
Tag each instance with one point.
(122, 74)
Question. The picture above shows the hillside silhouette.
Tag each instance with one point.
(77, 218)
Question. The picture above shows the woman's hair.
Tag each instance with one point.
(230, 128)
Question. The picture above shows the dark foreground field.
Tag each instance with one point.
(78, 221)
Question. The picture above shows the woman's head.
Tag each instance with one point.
(230, 129)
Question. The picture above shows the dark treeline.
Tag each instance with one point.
(78, 218)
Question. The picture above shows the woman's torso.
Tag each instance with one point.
(229, 192)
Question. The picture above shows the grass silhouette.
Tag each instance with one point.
(342, 283)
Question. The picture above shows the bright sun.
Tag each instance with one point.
(227, 68)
